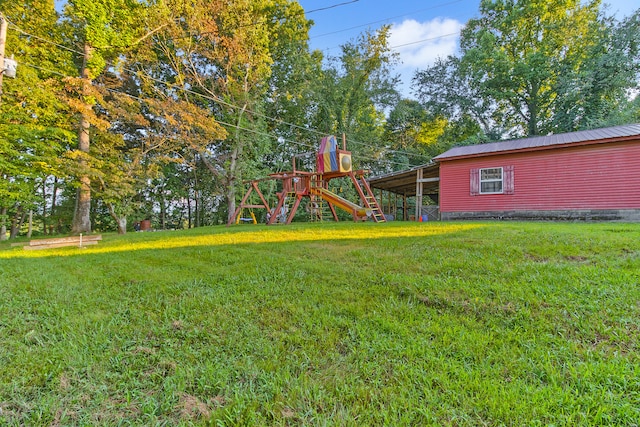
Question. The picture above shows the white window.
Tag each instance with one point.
(491, 181)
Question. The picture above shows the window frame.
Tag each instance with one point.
(483, 181)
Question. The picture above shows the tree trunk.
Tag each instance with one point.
(163, 211)
(196, 220)
(189, 212)
(82, 214)
(122, 225)
(233, 174)
(3, 223)
(121, 221)
(532, 105)
(231, 186)
(53, 196)
(16, 223)
(195, 195)
(30, 224)
(44, 207)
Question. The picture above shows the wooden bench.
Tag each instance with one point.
(59, 242)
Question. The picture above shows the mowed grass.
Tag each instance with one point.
(397, 324)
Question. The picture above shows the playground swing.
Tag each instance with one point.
(246, 219)
(241, 218)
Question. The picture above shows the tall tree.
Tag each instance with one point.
(534, 67)
(33, 121)
(413, 134)
(223, 51)
(120, 166)
(447, 88)
(354, 91)
(517, 49)
(290, 90)
(102, 30)
(252, 30)
(597, 92)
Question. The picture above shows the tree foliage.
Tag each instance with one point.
(353, 93)
(33, 118)
(532, 67)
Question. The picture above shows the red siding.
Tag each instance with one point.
(600, 176)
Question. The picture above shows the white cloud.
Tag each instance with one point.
(621, 8)
(421, 43)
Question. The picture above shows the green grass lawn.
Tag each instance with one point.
(397, 324)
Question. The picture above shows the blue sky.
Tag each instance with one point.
(421, 30)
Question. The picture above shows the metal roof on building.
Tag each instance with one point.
(404, 182)
(611, 134)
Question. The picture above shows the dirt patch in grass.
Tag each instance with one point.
(577, 258)
(56, 418)
(536, 258)
(65, 382)
(466, 306)
(288, 413)
(177, 325)
(192, 408)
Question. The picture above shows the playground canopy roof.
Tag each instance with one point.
(406, 182)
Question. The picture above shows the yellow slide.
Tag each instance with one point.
(342, 203)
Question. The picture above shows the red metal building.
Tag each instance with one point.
(590, 175)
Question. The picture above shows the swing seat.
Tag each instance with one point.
(252, 219)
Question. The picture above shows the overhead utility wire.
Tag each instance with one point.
(219, 100)
(143, 100)
(424, 40)
(410, 43)
(385, 19)
(274, 19)
(331, 7)
(15, 27)
(299, 13)
(256, 132)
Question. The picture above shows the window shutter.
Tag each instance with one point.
(474, 182)
(508, 180)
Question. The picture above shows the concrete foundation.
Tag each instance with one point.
(620, 215)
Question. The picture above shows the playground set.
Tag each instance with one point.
(331, 162)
